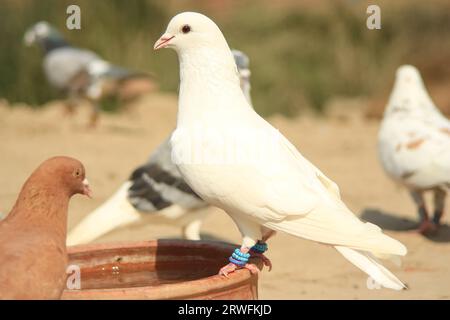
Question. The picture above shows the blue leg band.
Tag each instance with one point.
(259, 248)
(237, 262)
(239, 258)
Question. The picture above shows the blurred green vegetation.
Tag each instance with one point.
(301, 54)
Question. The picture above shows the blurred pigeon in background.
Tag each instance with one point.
(155, 192)
(81, 73)
(414, 144)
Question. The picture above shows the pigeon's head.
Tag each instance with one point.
(243, 64)
(203, 53)
(408, 75)
(64, 173)
(242, 60)
(44, 34)
(189, 30)
(37, 33)
(409, 95)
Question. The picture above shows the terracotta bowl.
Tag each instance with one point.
(159, 269)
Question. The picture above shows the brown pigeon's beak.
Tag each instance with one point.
(163, 42)
(86, 189)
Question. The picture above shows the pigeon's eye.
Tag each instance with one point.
(77, 173)
(186, 29)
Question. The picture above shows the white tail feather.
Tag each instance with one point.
(115, 212)
(370, 265)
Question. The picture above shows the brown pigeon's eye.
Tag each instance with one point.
(77, 173)
(186, 28)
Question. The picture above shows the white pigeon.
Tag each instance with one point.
(155, 193)
(414, 144)
(237, 161)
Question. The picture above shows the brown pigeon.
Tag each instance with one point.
(33, 255)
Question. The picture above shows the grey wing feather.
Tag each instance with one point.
(158, 184)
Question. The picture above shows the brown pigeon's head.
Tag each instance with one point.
(65, 173)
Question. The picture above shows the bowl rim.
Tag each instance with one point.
(186, 289)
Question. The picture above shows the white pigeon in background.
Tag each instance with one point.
(269, 186)
(414, 144)
(155, 192)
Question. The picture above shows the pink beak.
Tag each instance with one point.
(163, 42)
(86, 189)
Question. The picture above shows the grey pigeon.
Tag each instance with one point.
(81, 73)
(155, 192)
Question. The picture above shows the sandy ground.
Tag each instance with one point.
(343, 147)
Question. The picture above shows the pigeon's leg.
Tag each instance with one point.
(250, 231)
(261, 246)
(426, 226)
(95, 114)
(439, 201)
(70, 105)
(239, 260)
(71, 102)
(267, 234)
